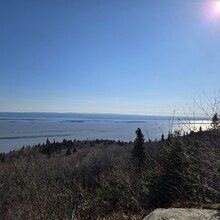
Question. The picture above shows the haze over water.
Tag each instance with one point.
(18, 129)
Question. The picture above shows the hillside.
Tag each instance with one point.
(101, 178)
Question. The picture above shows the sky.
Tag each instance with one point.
(107, 56)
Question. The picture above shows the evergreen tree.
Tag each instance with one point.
(68, 151)
(162, 138)
(74, 150)
(43, 148)
(48, 148)
(2, 157)
(138, 152)
(215, 120)
(48, 151)
(47, 142)
(172, 177)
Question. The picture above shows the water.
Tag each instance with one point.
(18, 129)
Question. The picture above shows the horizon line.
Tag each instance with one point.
(96, 113)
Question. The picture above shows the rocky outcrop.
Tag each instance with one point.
(183, 214)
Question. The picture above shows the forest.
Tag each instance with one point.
(105, 179)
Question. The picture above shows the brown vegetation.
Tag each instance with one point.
(99, 179)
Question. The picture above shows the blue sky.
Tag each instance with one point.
(107, 56)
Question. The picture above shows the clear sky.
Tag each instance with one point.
(107, 56)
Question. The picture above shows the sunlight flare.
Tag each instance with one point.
(212, 11)
(218, 6)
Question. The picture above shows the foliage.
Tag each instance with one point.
(68, 151)
(211, 206)
(138, 153)
(102, 177)
(175, 175)
(113, 194)
(215, 120)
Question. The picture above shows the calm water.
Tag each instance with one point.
(18, 129)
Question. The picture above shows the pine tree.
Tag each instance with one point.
(68, 152)
(162, 138)
(215, 120)
(48, 148)
(47, 142)
(175, 178)
(74, 150)
(138, 153)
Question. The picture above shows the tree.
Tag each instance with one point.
(215, 120)
(169, 180)
(162, 138)
(68, 152)
(48, 148)
(138, 152)
(74, 150)
(47, 142)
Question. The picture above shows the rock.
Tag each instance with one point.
(183, 214)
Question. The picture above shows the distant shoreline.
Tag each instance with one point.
(33, 115)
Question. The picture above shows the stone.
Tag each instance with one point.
(183, 214)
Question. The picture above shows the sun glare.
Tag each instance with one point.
(212, 11)
(218, 6)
